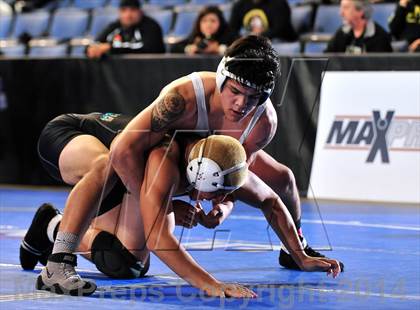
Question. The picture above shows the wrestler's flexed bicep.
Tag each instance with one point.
(167, 110)
(146, 130)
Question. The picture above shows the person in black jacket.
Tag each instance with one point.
(270, 18)
(406, 23)
(210, 35)
(359, 34)
(133, 33)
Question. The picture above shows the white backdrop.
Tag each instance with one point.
(358, 156)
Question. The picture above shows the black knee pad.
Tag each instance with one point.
(112, 258)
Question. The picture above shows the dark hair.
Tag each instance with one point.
(130, 4)
(263, 64)
(223, 26)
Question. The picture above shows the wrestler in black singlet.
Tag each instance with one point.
(58, 132)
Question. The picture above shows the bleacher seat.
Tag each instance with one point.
(5, 25)
(34, 23)
(55, 4)
(69, 23)
(64, 3)
(209, 2)
(327, 19)
(114, 3)
(296, 2)
(227, 13)
(184, 22)
(13, 51)
(167, 2)
(151, 7)
(78, 51)
(382, 12)
(227, 10)
(101, 17)
(301, 18)
(315, 47)
(49, 51)
(287, 48)
(89, 4)
(164, 19)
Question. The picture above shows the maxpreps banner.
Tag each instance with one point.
(368, 137)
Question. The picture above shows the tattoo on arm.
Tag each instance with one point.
(167, 110)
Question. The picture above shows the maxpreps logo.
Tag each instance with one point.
(375, 133)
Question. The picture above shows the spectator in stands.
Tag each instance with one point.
(359, 33)
(134, 32)
(405, 23)
(270, 18)
(210, 35)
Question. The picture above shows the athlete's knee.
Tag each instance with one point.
(290, 178)
(99, 166)
(113, 259)
(286, 180)
(271, 204)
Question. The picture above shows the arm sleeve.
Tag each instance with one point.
(382, 43)
(102, 35)
(179, 48)
(333, 46)
(397, 23)
(387, 44)
(153, 38)
(155, 44)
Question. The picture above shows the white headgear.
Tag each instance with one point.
(205, 175)
(222, 73)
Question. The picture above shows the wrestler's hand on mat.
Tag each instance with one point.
(185, 214)
(331, 266)
(229, 290)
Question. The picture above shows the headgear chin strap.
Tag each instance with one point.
(223, 73)
(205, 175)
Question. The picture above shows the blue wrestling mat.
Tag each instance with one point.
(379, 244)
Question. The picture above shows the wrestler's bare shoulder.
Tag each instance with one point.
(209, 81)
(266, 126)
(182, 86)
(270, 114)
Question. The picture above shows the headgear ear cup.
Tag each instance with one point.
(205, 174)
(213, 159)
(220, 77)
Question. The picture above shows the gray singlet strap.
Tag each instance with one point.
(202, 118)
(260, 110)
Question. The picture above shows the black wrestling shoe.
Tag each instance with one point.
(35, 245)
(286, 260)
